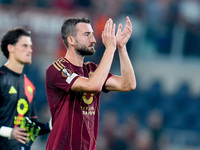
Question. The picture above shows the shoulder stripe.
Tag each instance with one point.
(58, 64)
(64, 60)
(61, 64)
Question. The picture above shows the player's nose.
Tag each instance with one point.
(92, 39)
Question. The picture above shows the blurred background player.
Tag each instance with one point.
(17, 94)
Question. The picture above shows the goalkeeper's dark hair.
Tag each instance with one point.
(69, 27)
(12, 37)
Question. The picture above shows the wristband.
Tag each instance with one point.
(6, 131)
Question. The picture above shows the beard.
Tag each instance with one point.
(83, 50)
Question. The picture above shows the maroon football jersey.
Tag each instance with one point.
(75, 115)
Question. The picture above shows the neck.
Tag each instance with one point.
(15, 67)
(74, 58)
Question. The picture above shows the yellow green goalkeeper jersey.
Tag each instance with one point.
(16, 103)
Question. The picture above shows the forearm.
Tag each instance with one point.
(45, 128)
(128, 80)
(109, 40)
(103, 69)
(95, 81)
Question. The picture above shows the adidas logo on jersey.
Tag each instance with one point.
(12, 90)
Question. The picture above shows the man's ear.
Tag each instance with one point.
(10, 48)
(71, 40)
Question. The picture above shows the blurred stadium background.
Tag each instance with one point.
(163, 112)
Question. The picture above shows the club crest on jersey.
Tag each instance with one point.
(68, 74)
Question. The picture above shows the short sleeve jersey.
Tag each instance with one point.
(75, 114)
(16, 102)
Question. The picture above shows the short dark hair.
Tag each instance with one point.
(68, 27)
(11, 37)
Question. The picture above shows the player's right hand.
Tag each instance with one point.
(108, 35)
(20, 135)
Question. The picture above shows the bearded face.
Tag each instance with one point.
(84, 50)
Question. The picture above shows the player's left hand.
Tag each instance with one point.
(123, 36)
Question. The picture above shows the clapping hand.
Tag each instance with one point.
(123, 36)
(108, 34)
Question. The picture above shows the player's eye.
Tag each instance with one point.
(87, 34)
